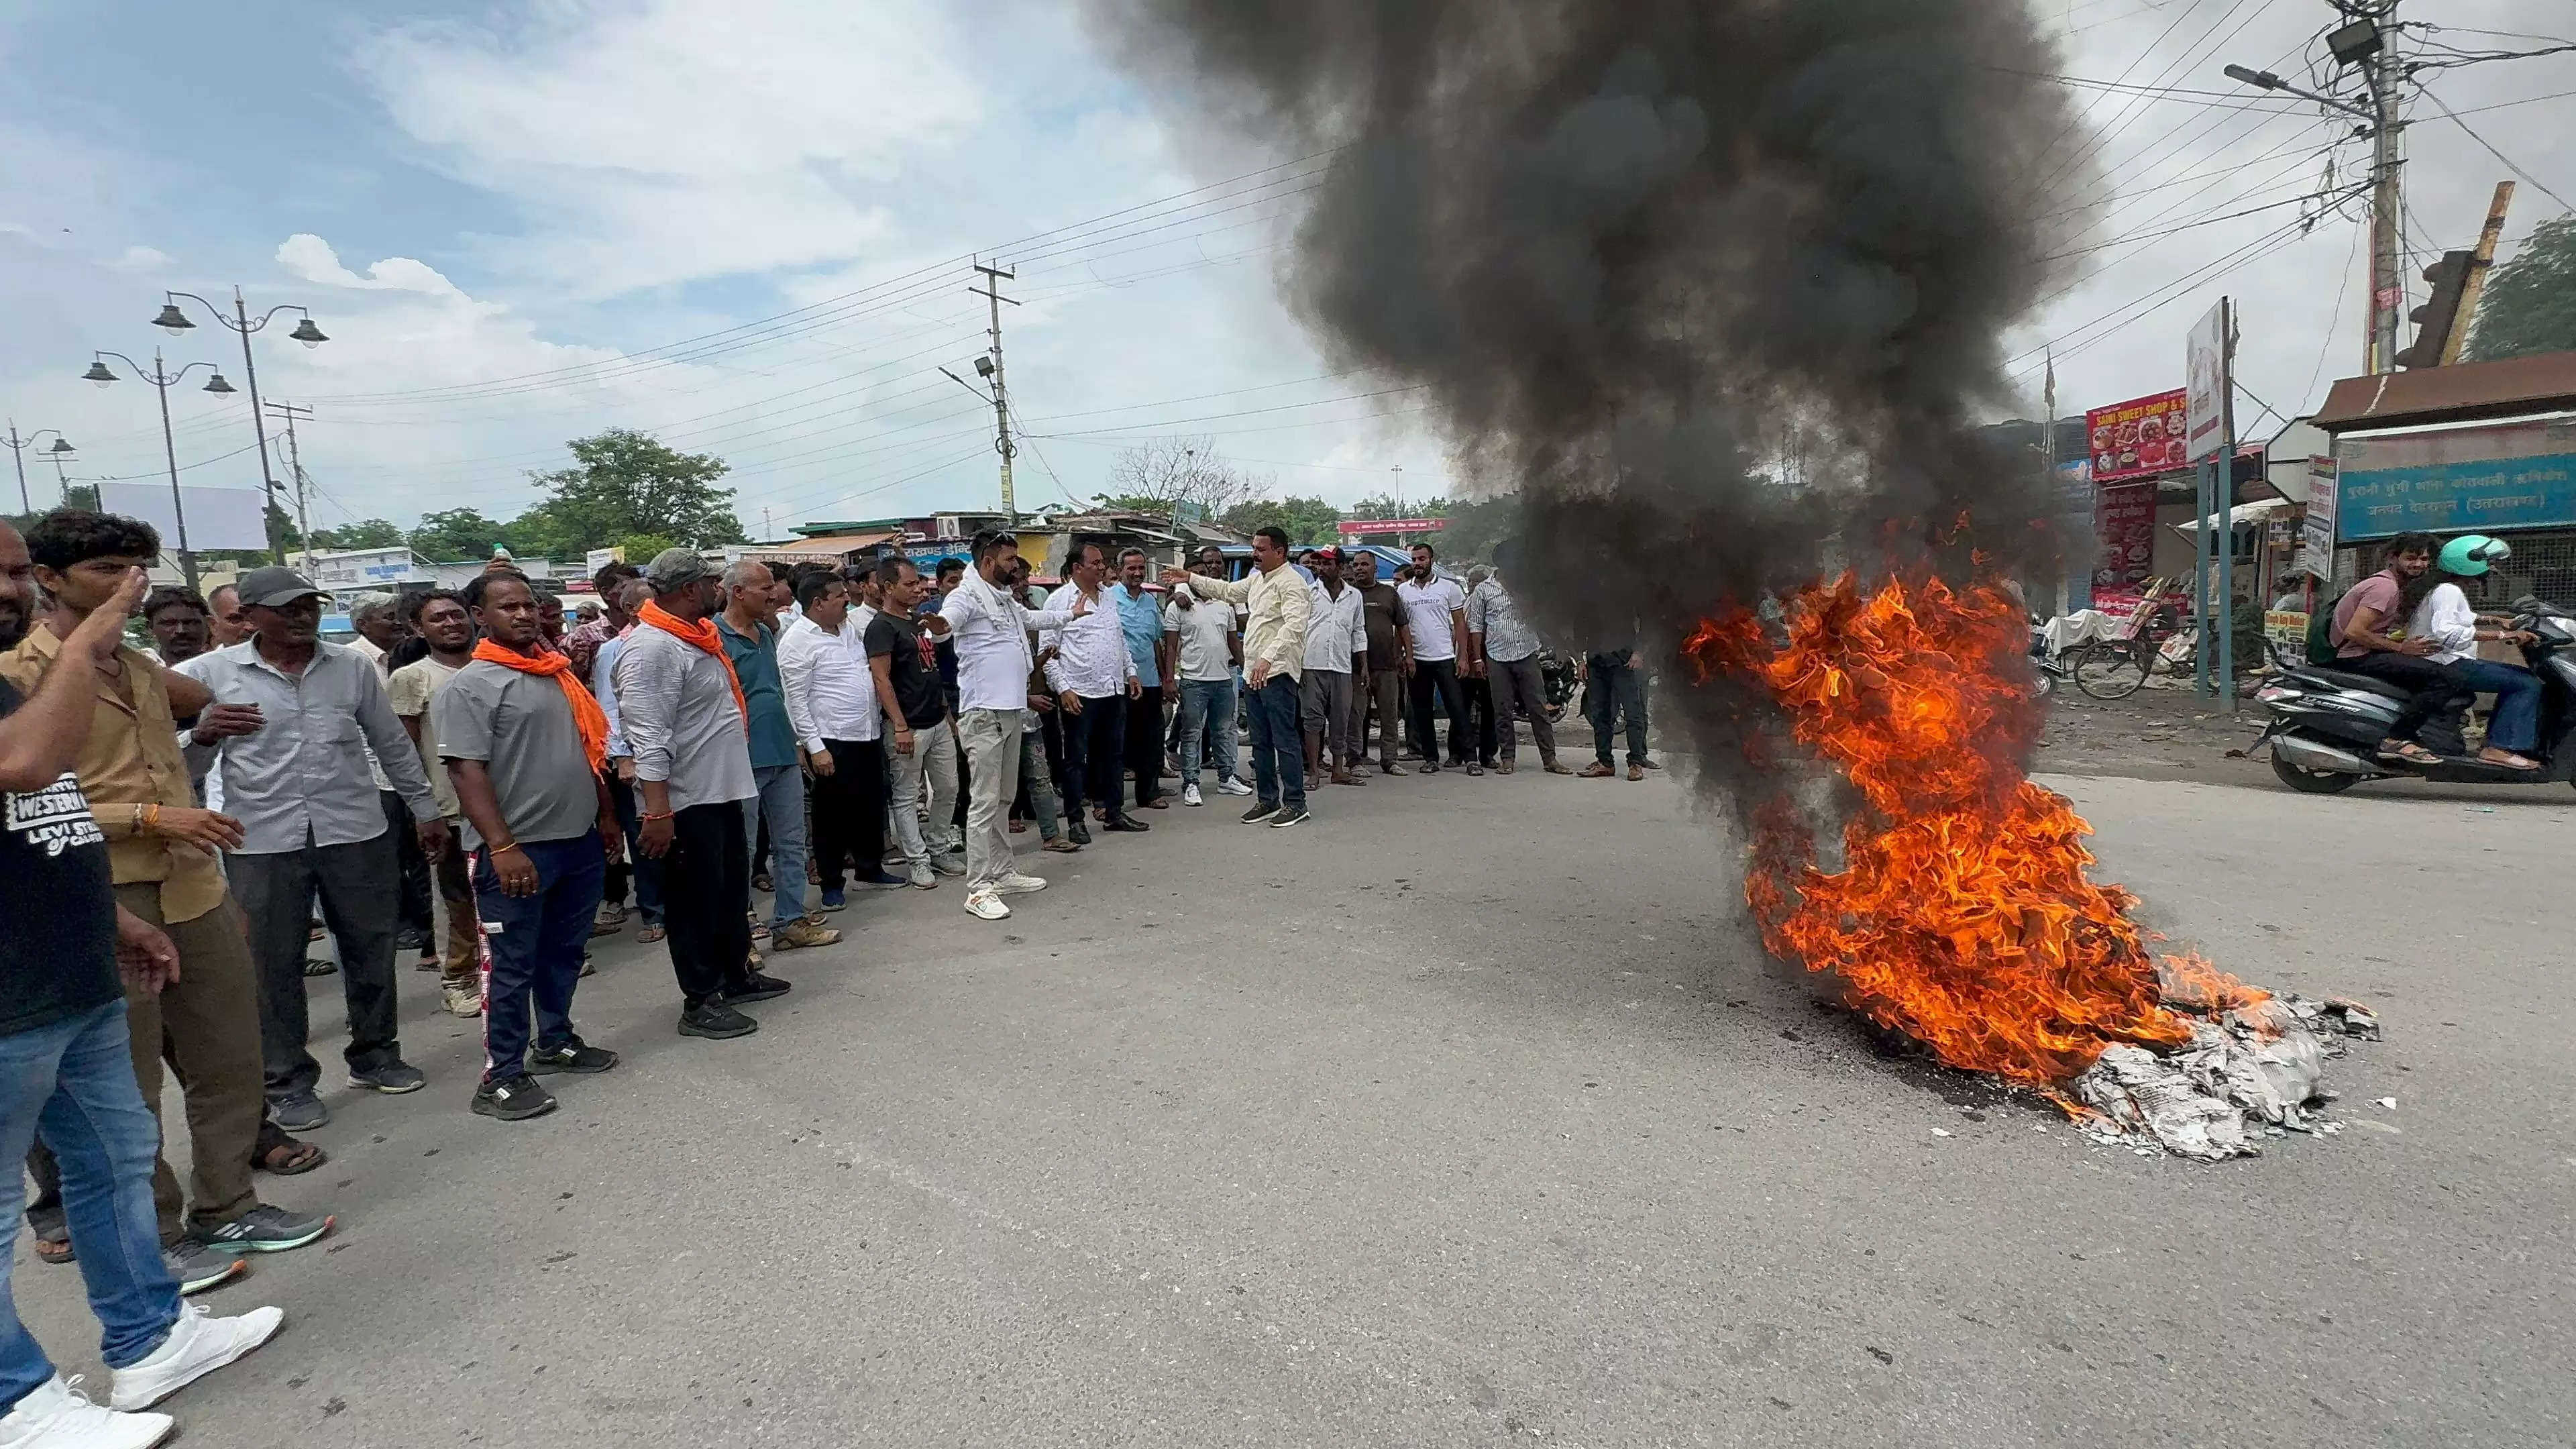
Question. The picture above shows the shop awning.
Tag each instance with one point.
(2241, 514)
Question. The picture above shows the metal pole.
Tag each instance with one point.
(992, 294)
(16, 452)
(2387, 290)
(2200, 579)
(2226, 480)
(258, 427)
(161, 381)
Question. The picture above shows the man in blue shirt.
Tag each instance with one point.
(777, 762)
(1140, 618)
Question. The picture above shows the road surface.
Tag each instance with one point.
(1465, 1115)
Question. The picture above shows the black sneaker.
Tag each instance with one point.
(513, 1099)
(393, 1078)
(573, 1056)
(715, 1021)
(1475, 769)
(265, 1229)
(411, 938)
(298, 1111)
(1286, 818)
(1077, 832)
(1259, 813)
(757, 987)
(1428, 767)
(1126, 825)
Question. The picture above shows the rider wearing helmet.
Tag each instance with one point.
(2443, 617)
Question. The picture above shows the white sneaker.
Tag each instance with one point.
(1190, 794)
(1016, 884)
(57, 1415)
(922, 876)
(1232, 787)
(197, 1346)
(986, 906)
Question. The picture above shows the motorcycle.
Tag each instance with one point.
(2325, 724)
(1557, 672)
(2047, 671)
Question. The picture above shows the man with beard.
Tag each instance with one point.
(748, 628)
(583, 642)
(1140, 619)
(177, 619)
(1377, 691)
(65, 1045)
(440, 618)
(1090, 673)
(226, 624)
(525, 744)
(1336, 641)
(1274, 646)
(644, 871)
(1435, 623)
(161, 854)
(990, 632)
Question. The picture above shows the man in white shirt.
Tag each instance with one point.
(1209, 649)
(1435, 621)
(832, 702)
(1336, 648)
(1274, 645)
(1093, 675)
(630, 594)
(990, 632)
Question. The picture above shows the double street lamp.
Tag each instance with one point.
(175, 322)
(60, 452)
(162, 381)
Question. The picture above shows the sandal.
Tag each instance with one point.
(2411, 752)
(316, 966)
(649, 935)
(2511, 761)
(1061, 846)
(283, 1155)
(762, 882)
(54, 1245)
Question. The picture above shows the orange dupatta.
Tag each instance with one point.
(703, 635)
(587, 716)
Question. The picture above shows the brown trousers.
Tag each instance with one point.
(461, 963)
(206, 1025)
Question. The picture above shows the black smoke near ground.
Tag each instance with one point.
(1713, 288)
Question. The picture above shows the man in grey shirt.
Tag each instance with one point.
(1502, 649)
(684, 721)
(524, 744)
(312, 821)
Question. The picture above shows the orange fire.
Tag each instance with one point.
(1961, 915)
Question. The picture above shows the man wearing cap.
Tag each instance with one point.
(311, 822)
(686, 729)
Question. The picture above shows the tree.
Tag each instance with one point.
(641, 547)
(1306, 521)
(1154, 476)
(457, 533)
(365, 533)
(623, 482)
(2529, 304)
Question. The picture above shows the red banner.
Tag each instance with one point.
(2125, 521)
(2138, 437)
(1355, 527)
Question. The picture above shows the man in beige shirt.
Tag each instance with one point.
(161, 850)
(1274, 654)
(439, 617)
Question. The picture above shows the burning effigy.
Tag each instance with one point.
(1717, 293)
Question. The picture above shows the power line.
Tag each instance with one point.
(2508, 161)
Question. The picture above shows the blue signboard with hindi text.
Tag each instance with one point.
(2467, 480)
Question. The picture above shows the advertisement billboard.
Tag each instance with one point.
(230, 518)
(2206, 386)
(2137, 438)
(1360, 527)
(2125, 521)
(2317, 530)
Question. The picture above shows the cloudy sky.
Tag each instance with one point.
(744, 225)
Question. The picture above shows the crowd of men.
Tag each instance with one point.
(217, 803)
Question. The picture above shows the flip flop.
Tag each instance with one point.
(648, 935)
(316, 966)
(300, 1157)
(54, 1249)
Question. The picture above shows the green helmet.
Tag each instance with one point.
(2472, 554)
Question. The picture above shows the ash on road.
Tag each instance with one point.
(1466, 1115)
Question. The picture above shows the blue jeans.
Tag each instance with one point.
(1616, 686)
(536, 943)
(2516, 723)
(782, 804)
(1207, 717)
(74, 1080)
(1278, 749)
(647, 873)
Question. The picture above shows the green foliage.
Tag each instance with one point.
(640, 547)
(624, 483)
(365, 533)
(1306, 521)
(457, 533)
(2529, 304)
(1131, 503)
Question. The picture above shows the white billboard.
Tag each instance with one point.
(2205, 384)
(227, 518)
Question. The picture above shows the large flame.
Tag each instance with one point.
(1961, 915)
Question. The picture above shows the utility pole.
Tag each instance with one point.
(991, 366)
(1398, 471)
(2387, 289)
(18, 447)
(2479, 263)
(295, 470)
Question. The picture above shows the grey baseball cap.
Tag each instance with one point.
(275, 586)
(673, 567)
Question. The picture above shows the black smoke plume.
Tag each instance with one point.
(1713, 287)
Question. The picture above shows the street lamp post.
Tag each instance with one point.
(174, 322)
(18, 447)
(162, 382)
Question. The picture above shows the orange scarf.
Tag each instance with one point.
(587, 716)
(703, 635)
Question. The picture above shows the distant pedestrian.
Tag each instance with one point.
(1094, 676)
(748, 628)
(1435, 621)
(903, 662)
(1336, 650)
(1208, 649)
(832, 700)
(524, 744)
(441, 619)
(644, 872)
(1140, 619)
(1378, 692)
(683, 716)
(990, 632)
(1505, 650)
(1613, 684)
(1274, 644)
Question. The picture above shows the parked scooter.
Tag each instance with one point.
(2326, 724)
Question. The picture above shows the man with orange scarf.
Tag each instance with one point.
(682, 713)
(524, 743)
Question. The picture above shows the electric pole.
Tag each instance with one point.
(1398, 471)
(18, 447)
(2387, 285)
(991, 366)
(295, 470)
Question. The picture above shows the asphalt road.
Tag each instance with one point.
(1465, 1115)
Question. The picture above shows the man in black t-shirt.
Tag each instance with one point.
(66, 1064)
(921, 745)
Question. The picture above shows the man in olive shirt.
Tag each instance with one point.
(161, 851)
(523, 742)
(1381, 685)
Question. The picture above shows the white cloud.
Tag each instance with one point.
(141, 259)
(310, 257)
